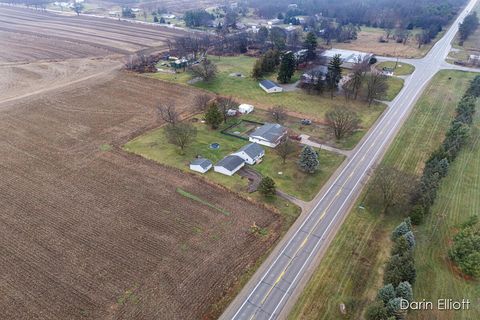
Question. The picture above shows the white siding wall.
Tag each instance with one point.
(262, 142)
(224, 171)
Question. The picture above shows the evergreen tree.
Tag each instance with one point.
(155, 19)
(401, 247)
(308, 160)
(404, 290)
(287, 67)
(400, 268)
(410, 238)
(267, 187)
(400, 230)
(394, 309)
(213, 117)
(376, 311)
(386, 293)
(335, 67)
(311, 45)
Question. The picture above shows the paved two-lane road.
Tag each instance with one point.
(272, 290)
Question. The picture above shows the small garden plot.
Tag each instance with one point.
(241, 129)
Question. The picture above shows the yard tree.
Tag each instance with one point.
(376, 311)
(308, 161)
(167, 111)
(224, 104)
(278, 38)
(386, 293)
(394, 186)
(201, 101)
(285, 149)
(360, 69)
(207, 70)
(78, 8)
(376, 87)
(262, 34)
(404, 290)
(155, 19)
(181, 134)
(267, 187)
(278, 114)
(213, 116)
(257, 71)
(335, 68)
(342, 122)
(311, 45)
(287, 67)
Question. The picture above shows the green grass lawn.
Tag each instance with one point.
(402, 69)
(395, 85)
(288, 177)
(351, 271)
(247, 90)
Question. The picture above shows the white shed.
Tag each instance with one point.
(201, 165)
(245, 108)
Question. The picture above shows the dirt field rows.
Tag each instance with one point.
(81, 227)
(29, 35)
(86, 230)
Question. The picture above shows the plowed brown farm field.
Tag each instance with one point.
(102, 234)
(30, 35)
(86, 230)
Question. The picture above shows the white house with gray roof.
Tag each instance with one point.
(201, 165)
(270, 135)
(251, 153)
(229, 165)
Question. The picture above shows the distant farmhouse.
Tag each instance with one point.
(229, 165)
(348, 57)
(270, 86)
(251, 153)
(270, 135)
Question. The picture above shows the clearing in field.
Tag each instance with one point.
(298, 103)
(351, 270)
(368, 41)
(153, 145)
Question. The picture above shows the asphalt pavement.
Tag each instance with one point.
(273, 289)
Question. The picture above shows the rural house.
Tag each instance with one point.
(252, 153)
(201, 165)
(270, 86)
(270, 135)
(229, 165)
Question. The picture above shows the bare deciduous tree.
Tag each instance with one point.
(201, 102)
(377, 86)
(278, 114)
(167, 111)
(342, 122)
(393, 185)
(206, 70)
(224, 104)
(181, 134)
(285, 149)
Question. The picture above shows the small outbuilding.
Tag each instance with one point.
(270, 86)
(201, 165)
(229, 165)
(251, 153)
(270, 135)
(245, 108)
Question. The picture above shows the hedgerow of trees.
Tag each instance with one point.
(468, 26)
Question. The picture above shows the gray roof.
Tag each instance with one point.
(267, 84)
(230, 162)
(202, 162)
(253, 150)
(269, 131)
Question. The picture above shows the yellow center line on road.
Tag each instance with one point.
(310, 232)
